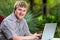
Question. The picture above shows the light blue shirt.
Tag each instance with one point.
(12, 27)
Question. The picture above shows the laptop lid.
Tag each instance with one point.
(49, 31)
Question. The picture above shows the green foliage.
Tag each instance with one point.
(51, 3)
(6, 7)
(29, 17)
(56, 11)
(32, 22)
(47, 19)
(37, 4)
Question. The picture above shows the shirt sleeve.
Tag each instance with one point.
(8, 30)
(26, 29)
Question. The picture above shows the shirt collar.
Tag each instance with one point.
(13, 17)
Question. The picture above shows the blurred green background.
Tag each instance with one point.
(36, 18)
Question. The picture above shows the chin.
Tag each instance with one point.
(20, 18)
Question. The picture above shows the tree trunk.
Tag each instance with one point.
(44, 8)
(31, 5)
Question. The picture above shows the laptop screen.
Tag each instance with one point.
(49, 31)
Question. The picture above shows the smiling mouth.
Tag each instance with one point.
(21, 14)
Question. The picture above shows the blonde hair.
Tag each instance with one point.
(20, 4)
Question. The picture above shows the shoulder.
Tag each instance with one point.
(8, 17)
(7, 20)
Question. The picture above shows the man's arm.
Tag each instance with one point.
(23, 38)
(30, 37)
(17, 38)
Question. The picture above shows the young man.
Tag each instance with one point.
(15, 27)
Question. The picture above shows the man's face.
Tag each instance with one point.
(20, 12)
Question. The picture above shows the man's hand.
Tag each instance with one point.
(39, 36)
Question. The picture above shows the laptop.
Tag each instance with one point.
(49, 30)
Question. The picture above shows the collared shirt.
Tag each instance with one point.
(12, 27)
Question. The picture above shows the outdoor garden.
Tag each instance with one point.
(39, 13)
